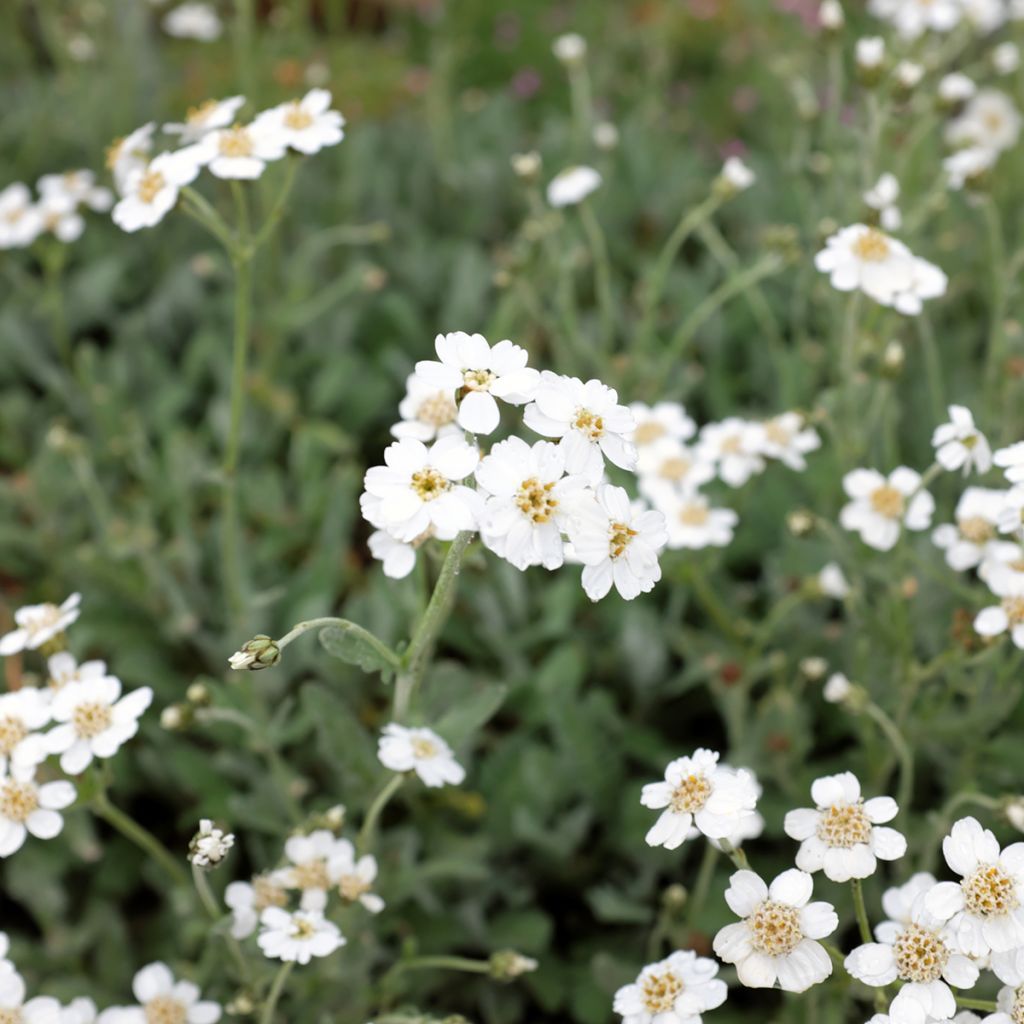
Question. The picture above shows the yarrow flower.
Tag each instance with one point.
(22, 714)
(881, 506)
(248, 900)
(970, 540)
(571, 186)
(990, 120)
(14, 1007)
(428, 411)
(353, 877)
(422, 751)
(306, 125)
(308, 870)
(297, 937)
(833, 582)
(959, 444)
(1008, 615)
(699, 792)
(37, 624)
(776, 941)
(912, 18)
(205, 118)
(210, 845)
(26, 807)
(661, 421)
(129, 154)
(162, 998)
(150, 192)
(734, 446)
(239, 152)
(676, 990)
(20, 219)
(843, 834)
(692, 522)
(198, 21)
(1011, 461)
(787, 437)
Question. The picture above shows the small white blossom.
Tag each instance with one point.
(788, 438)
(397, 557)
(239, 152)
(59, 215)
(210, 845)
(912, 18)
(676, 990)
(668, 467)
(21, 222)
(421, 751)
(985, 16)
(883, 197)
(776, 941)
(967, 166)
(205, 118)
(1011, 461)
(909, 76)
(14, 1007)
(162, 998)
(968, 541)
(428, 411)
(735, 446)
(989, 120)
(22, 714)
(570, 48)
(1008, 615)
(956, 87)
(297, 937)
(354, 876)
(1006, 58)
(38, 623)
(736, 175)
(198, 21)
(150, 192)
(658, 422)
(28, 807)
(831, 16)
(833, 582)
(959, 444)
(80, 186)
(572, 186)
(247, 900)
(881, 506)
(870, 53)
(127, 155)
(307, 125)
(692, 522)
(837, 688)
(605, 136)
(308, 870)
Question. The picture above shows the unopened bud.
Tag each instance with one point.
(258, 653)
(198, 694)
(830, 15)
(175, 717)
(210, 845)
(870, 59)
(800, 522)
(674, 898)
(527, 165)
(507, 965)
(814, 668)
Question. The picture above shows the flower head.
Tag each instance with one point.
(881, 506)
(353, 877)
(422, 751)
(151, 191)
(14, 1007)
(692, 522)
(307, 125)
(309, 868)
(21, 221)
(29, 807)
(297, 937)
(22, 714)
(428, 411)
(127, 155)
(248, 900)
(970, 540)
(676, 990)
(37, 624)
(210, 845)
(735, 447)
(205, 118)
(960, 445)
(163, 1000)
(663, 421)
(239, 152)
(1008, 615)
(572, 186)
(198, 21)
(788, 438)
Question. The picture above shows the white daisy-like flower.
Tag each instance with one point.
(529, 501)
(162, 998)
(788, 438)
(127, 155)
(28, 807)
(81, 186)
(308, 869)
(38, 623)
(479, 374)
(870, 53)
(668, 466)
(736, 175)
(1006, 58)
(307, 125)
(990, 120)
(776, 941)
(959, 444)
(240, 152)
(676, 990)
(1009, 969)
(658, 422)
(908, 76)
(833, 582)
(920, 952)
(955, 88)
(984, 908)
(205, 118)
(60, 217)
(837, 688)
(1011, 515)
(94, 720)
(570, 48)
(844, 834)
(198, 21)
(22, 714)
(150, 192)
(691, 521)
(1002, 556)
(422, 751)
(297, 937)
(968, 541)
(588, 420)
(14, 1006)
(734, 446)
(883, 197)
(419, 489)
(397, 557)
(63, 668)
(210, 845)
(428, 411)
(881, 506)
(248, 900)
(912, 18)
(967, 166)
(898, 902)
(617, 544)
(1008, 615)
(21, 222)
(699, 792)
(1011, 461)
(571, 186)
(354, 876)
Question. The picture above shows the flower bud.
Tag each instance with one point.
(831, 16)
(814, 668)
(870, 59)
(527, 165)
(258, 653)
(507, 965)
(674, 898)
(209, 846)
(606, 136)
(800, 522)
(175, 717)
(570, 49)
(198, 694)
(735, 177)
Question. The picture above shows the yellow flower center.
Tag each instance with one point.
(777, 433)
(352, 887)
(423, 748)
(620, 537)
(18, 800)
(429, 484)
(888, 502)
(993, 121)
(12, 732)
(648, 432)
(775, 928)
(534, 500)
(976, 529)
(660, 991)
(91, 718)
(114, 153)
(436, 411)
(920, 955)
(165, 1010)
(311, 875)
(297, 118)
(690, 794)
(267, 893)
(872, 246)
(694, 514)
(589, 423)
(844, 825)
(11, 1015)
(302, 928)
(990, 892)
(1014, 608)
(1017, 1012)
(674, 468)
(732, 445)
(235, 142)
(151, 184)
(478, 380)
(197, 115)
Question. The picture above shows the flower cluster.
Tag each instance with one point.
(56, 210)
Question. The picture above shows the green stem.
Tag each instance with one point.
(702, 885)
(720, 615)
(602, 274)
(985, 1005)
(214, 912)
(390, 788)
(196, 206)
(440, 962)
(242, 39)
(142, 838)
(736, 855)
(365, 635)
(53, 271)
(997, 334)
(579, 87)
(267, 1016)
(904, 756)
(933, 367)
(861, 911)
(277, 211)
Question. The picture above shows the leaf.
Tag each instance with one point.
(471, 713)
(358, 646)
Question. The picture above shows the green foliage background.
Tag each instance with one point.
(561, 710)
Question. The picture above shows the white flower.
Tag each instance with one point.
(21, 222)
(570, 48)
(197, 21)
(691, 521)
(983, 909)
(883, 197)
(831, 16)
(833, 581)
(959, 444)
(428, 411)
(354, 877)
(130, 154)
(22, 713)
(14, 1007)
(837, 688)
(676, 990)
(38, 623)
(588, 420)
(920, 951)
(306, 125)
(658, 422)
(529, 501)
(83, 1011)
(699, 792)
(161, 998)
(309, 871)
(1006, 58)
(80, 186)
(397, 557)
(210, 845)
(59, 215)
(667, 467)
(297, 937)
(787, 438)
(26, 806)
(150, 192)
(841, 834)
(966, 166)
(912, 18)
(572, 186)
(94, 720)
(737, 175)
(1011, 461)
(480, 374)
(908, 75)
(1008, 615)
(989, 120)
(968, 541)
(240, 152)
(617, 544)
(247, 900)
(1011, 516)
(418, 489)
(870, 53)
(984, 15)
(777, 939)
(735, 446)
(205, 118)
(881, 506)
(956, 87)
(421, 751)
